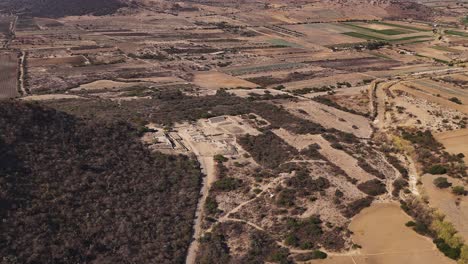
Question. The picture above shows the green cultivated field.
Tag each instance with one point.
(393, 31)
(362, 36)
(457, 33)
(442, 48)
(399, 26)
(282, 42)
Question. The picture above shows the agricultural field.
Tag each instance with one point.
(8, 75)
(276, 131)
(455, 141)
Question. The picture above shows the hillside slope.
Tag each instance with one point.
(78, 192)
(60, 8)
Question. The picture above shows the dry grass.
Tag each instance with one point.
(381, 231)
(455, 142)
(454, 208)
(215, 80)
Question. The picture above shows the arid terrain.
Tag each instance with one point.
(157, 131)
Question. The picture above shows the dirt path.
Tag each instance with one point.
(207, 165)
(21, 77)
(372, 98)
(11, 33)
(208, 168)
(226, 217)
(381, 100)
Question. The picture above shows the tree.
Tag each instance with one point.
(220, 158)
(456, 100)
(463, 255)
(441, 183)
(437, 169)
(447, 232)
(458, 190)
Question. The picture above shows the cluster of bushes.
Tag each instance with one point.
(398, 185)
(316, 254)
(90, 192)
(268, 96)
(443, 183)
(268, 149)
(355, 207)
(421, 138)
(304, 184)
(437, 169)
(459, 190)
(211, 205)
(336, 136)
(305, 233)
(368, 168)
(309, 234)
(373, 187)
(220, 158)
(260, 247)
(264, 249)
(312, 152)
(375, 44)
(286, 197)
(432, 156)
(225, 183)
(395, 162)
(213, 248)
(447, 240)
(456, 100)
(307, 90)
(443, 233)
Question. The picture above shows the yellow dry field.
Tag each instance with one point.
(104, 84)
(444, 201)
(329, 80)
(411, 24)
(443, 89)
(330, 117)
(283, 17)
(460, 77)
(374, 26)
(427, 95)
(455, 141)
(73, 60)
(433, 53)
(46, 97)
(214, 80)
(329, 34)
(381, 231)
(407, 69)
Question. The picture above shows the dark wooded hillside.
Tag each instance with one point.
(61, 8)
(74, 191)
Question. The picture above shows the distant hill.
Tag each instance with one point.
(61, 8)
